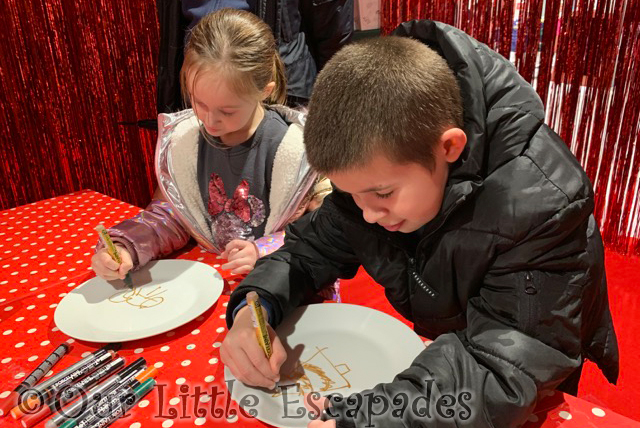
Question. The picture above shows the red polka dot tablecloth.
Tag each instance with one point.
(45, 251)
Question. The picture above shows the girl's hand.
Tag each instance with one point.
(105, 267)
(314, 404)
(241, 255)
(245, 358)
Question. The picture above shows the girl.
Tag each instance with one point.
(232, 170)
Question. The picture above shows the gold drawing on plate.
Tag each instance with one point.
(318, 373)
(139, 297)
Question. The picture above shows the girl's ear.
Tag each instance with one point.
(268, 90)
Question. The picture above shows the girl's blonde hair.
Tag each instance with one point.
(241, 47)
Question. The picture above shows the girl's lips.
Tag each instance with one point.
(394, 227)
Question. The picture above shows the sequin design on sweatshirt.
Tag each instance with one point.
(233, 218)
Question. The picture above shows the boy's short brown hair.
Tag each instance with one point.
(391, 95)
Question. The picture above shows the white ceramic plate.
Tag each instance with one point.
(166, 295)
(332, 348)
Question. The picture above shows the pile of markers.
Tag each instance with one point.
(94, 392)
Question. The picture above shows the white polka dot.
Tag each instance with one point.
(70, 341)
(225, 304)
(32, 330)
(19, 344)
(143, 403)
(219, 329)
(209, 378)
(84, 354)
(532, 418)
(13, 290)
(30, 307)
(62, 294)
(5, 394)
(6, 360)
(217, 344)
(55, 329)
(2, 300)
(200, 421)
(232, 419)
(53, 305)
(8, 308)
(32, 358)
(565, 415)
(167, 424)
(232, 282)
(158, 364)
(7, 332)
(19, 376)
(196, 331)
(43, 317)
(164, 349)
(138, 351)
(191, 346)
(213, 361)
(171, 333)
(136, 424)
(185, 363)
(174, 401)
(223, 316)
(200, 259)
(598, 412)
(180, 381)
(45, 343)
(205, 398)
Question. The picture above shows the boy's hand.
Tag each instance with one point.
(242, 256)
(245, 358)
(105, 267)
(314, 404)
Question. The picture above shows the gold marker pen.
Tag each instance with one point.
(258, 322)
(113, 251)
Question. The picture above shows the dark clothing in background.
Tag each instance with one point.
(308, 33)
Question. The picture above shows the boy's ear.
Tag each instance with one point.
(268, 90)
(452, 142)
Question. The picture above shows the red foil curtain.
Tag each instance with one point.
(70, 71)
(583, 58)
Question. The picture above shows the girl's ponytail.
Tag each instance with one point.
(279, 93)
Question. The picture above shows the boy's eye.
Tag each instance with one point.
(384, 195)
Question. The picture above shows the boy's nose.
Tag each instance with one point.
(372, 214)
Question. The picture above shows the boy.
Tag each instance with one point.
(474, 216)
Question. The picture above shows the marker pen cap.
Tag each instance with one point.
(149, 373)
(144, 387)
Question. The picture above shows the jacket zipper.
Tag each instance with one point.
(413, 274)
(530, 290)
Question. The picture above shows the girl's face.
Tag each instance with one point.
(224, 114)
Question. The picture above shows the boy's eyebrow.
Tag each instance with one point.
(370, 189)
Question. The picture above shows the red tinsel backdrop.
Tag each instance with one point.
(70, 71)
(583, 58)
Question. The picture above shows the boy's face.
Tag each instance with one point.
(401, 197)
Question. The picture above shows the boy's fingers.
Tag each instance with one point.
(279, 355)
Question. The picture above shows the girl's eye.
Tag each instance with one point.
(384, 195)
(224, 113)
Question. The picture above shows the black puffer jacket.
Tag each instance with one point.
(512, 286)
